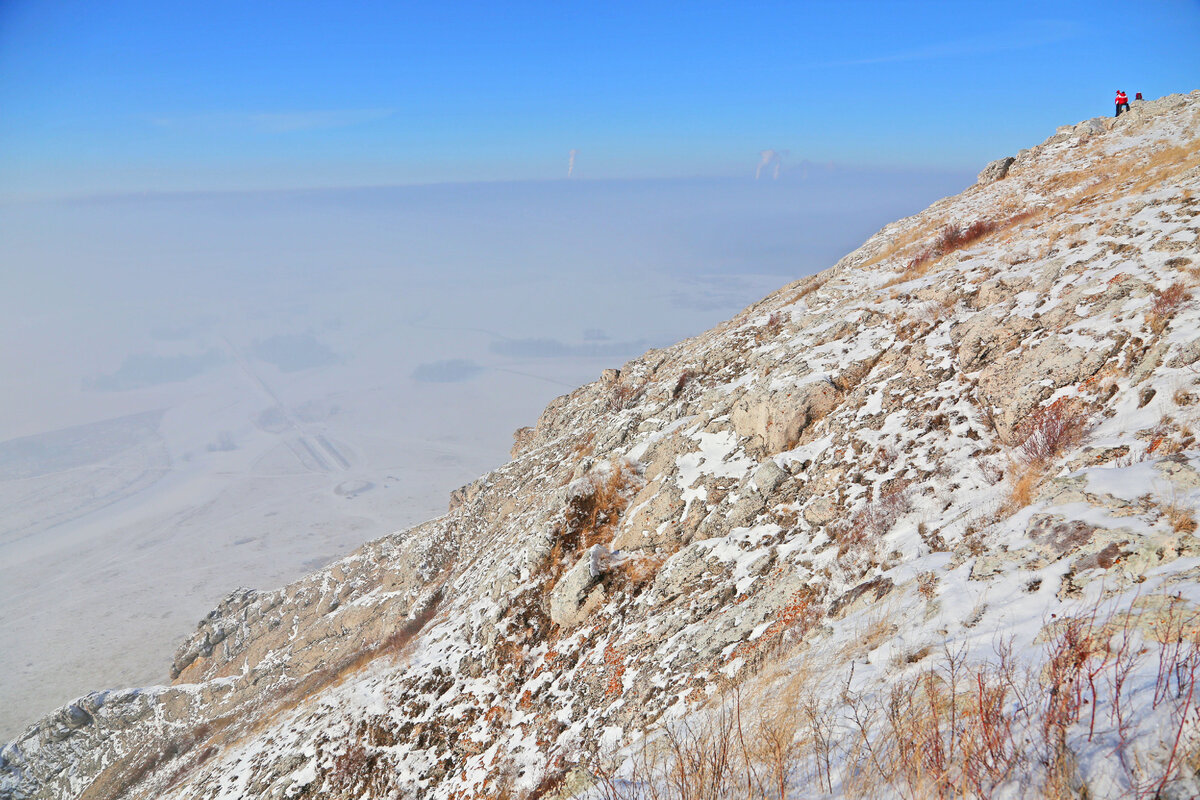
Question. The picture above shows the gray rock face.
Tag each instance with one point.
(578, 593)
(778, 418)
(1023, 378)
(768, 477)
(996, 170)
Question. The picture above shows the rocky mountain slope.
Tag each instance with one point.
(922, 524)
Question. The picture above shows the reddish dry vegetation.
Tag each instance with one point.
(955, 237)
(951, 238)
(1049, 431)
(956, 728)
(1165, 304)
(625, 395)
(796, 618)
(681, 383)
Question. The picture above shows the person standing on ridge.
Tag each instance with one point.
(1122, 102)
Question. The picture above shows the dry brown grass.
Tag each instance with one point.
(1105, 174)
(870, 632)
(808, 286)
(1024, 484)
(590, 518)
(1044, 435)
(593, 515)
(946, 732)
(898, 245)
(1094, 183)
(1180, 517)
(859, 535)
(749, 751)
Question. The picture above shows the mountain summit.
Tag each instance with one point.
(921, 525)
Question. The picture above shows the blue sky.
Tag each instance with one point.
(133, 95)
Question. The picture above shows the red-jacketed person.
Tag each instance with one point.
(1122, 102)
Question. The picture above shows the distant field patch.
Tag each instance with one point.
(553, 348)
(77, 446)
(294, 352)
(146, 369)
(453, 371)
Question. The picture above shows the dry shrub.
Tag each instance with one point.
(1164, 305)
(927, 583)
(951, 238)
(770, 329)
(872, 521)
(592, 515)
(896, 245)
(948, 732)
(960, 729)
(688, 761)
(728, 754)
(1181, 518)
(955, 237)
(624, 395)
(792, 622)
(1123, 683)
(1066, 677)
(1025, 482)
(1049, 431)
(684, 378)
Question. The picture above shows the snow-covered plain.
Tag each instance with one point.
(212, 391)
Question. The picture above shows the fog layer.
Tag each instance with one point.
(209, 391)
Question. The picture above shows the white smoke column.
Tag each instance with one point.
(770, 158)
(571, 161)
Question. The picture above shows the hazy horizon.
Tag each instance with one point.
(208, 391)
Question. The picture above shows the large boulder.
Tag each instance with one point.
(578, 592)
(995, 171)
(778, 418)
(1022, 378)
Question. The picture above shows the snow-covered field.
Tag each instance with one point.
(208, 392)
